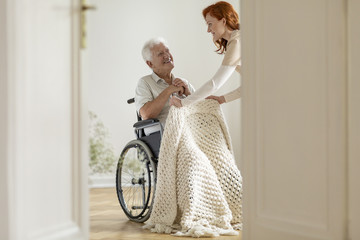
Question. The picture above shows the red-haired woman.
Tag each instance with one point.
(223, 23)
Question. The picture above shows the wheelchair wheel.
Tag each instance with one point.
(135, 180)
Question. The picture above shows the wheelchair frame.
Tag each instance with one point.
(136, 171)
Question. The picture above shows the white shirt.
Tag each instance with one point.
(149, 87)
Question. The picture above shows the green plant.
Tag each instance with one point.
(102, 158)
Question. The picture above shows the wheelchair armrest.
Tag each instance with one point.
(146, 123)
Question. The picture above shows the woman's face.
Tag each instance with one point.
(215, 27)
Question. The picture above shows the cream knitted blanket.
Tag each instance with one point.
(199, 188)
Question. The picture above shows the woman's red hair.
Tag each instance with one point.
(219, 11)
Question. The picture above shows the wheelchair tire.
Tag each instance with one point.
(136, 180)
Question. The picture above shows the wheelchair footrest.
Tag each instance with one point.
(138, 207)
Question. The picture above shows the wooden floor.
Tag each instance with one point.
(107, 220)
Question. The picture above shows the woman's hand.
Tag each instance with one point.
(220, 99)
(175, 101)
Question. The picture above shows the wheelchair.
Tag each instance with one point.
(136, 170)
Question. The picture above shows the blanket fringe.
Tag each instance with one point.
(196, 231)
(161, 228)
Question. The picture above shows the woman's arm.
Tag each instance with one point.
(220, 99)
(211, 86)
(233, 95)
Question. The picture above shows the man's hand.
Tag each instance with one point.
(220, 99)
(153, 108)
(176, 89)
(175, 101)
(180, 83)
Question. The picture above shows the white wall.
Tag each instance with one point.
(117, 31)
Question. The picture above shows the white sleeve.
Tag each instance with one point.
(211, 86)
(231, 96)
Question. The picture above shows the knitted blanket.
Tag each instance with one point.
(199, 188)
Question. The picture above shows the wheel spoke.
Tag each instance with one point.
(135, 183)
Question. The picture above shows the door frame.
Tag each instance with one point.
(80, 137)
(353, 58)
(14, 48)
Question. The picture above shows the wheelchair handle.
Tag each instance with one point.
(131, 100)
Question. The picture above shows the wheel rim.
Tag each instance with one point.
(134, 181)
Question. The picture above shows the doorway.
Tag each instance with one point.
(112, 64)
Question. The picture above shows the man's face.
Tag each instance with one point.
(162, 60)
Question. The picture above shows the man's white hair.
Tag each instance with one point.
(146, 51)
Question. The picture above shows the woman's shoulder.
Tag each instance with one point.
(233, 43)
(233, 51)
(235, 37)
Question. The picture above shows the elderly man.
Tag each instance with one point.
(154, 91)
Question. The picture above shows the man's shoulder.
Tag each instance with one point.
(145, 81)
(143, 91)
(146, 78)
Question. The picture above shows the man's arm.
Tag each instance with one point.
(153, 108)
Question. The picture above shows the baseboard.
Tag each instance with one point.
(102, 181)
(66, 231)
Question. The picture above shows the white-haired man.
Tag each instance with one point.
(154, 91)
